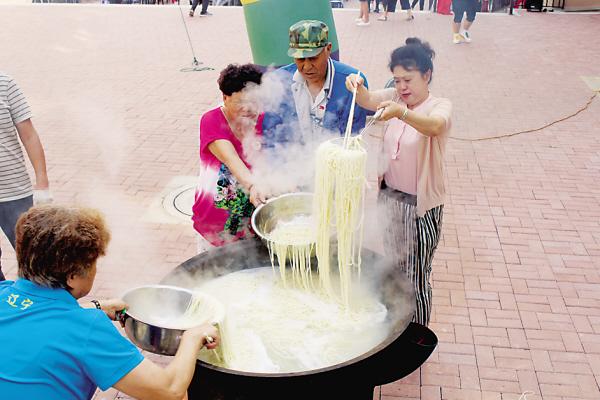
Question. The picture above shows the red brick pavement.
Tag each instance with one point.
(516, 278)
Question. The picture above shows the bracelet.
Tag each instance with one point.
(97, 304)
(404, 114)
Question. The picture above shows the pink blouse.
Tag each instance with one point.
(416, 161)
(401, 146)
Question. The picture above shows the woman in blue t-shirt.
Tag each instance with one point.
(53, 348)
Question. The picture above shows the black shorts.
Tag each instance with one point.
(390, 5)
(459, 7)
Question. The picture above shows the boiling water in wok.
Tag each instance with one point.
(269, 328)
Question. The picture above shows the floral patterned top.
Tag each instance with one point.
(222, 210)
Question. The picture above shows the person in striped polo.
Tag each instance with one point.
(414, 144)
(16, 191)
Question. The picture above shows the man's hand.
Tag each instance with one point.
(42, 196)
(354, 81)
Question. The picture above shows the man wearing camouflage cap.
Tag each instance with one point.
(315, 101)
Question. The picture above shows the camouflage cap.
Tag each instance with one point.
(308, 38)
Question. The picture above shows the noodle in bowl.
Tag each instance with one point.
(280, 211)
(285, 223)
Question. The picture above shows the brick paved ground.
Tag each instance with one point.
(516, 278)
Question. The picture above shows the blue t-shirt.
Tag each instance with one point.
(52, 349)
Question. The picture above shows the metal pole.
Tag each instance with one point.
(512, 2)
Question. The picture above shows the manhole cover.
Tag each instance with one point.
(184, 201)
(179, 202)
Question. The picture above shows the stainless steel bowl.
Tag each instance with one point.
(148, 306)
(280, 209)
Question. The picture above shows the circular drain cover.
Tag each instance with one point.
(184, 201)
(179, 202)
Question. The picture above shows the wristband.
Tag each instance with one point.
(97, 304)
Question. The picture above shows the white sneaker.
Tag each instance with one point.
(467, 36)
(457, 38)
(363, 23)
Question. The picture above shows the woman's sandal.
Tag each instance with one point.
(410, 18)
(382, 18)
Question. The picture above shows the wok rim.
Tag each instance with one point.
(348, 363)
(394, 334)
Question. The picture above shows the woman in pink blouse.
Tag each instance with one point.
(414, 146)
(229, 136)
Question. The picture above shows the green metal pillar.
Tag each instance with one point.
(268, 23)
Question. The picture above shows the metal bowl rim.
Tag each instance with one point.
(273, 199)
(158, 286)
(137, 318)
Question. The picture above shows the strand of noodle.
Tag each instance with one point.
(281, 251)
(292, 241)
(271, 254)
(322, 211)
(360, 227)
(348, 196)
(361, 235)
(339, 188)
(200, 310)
(339, 198)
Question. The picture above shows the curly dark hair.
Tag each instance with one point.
(54, 243)
(235, 77)
(416, 54)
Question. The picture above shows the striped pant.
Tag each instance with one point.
(412, 241)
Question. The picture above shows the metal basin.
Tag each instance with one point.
(283, 208)
(150, 309)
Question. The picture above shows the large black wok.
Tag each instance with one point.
(405, 349)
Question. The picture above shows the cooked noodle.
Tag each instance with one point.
(270, 328)
(339, 190)
(293, 240)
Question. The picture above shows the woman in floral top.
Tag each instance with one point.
(229, 135)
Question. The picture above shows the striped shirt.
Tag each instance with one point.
(14, 179)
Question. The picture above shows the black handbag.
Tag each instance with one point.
(534, 5)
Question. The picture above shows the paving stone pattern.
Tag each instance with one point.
(516, 277)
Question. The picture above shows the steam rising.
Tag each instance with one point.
(290, 167)
(282, 167)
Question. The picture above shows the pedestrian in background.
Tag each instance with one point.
(363, 17)
(17, 194)
(377, 2)
(460, 7)
(390, 6)
(421, 4)
(204, 12)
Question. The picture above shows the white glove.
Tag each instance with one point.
(42, 196)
